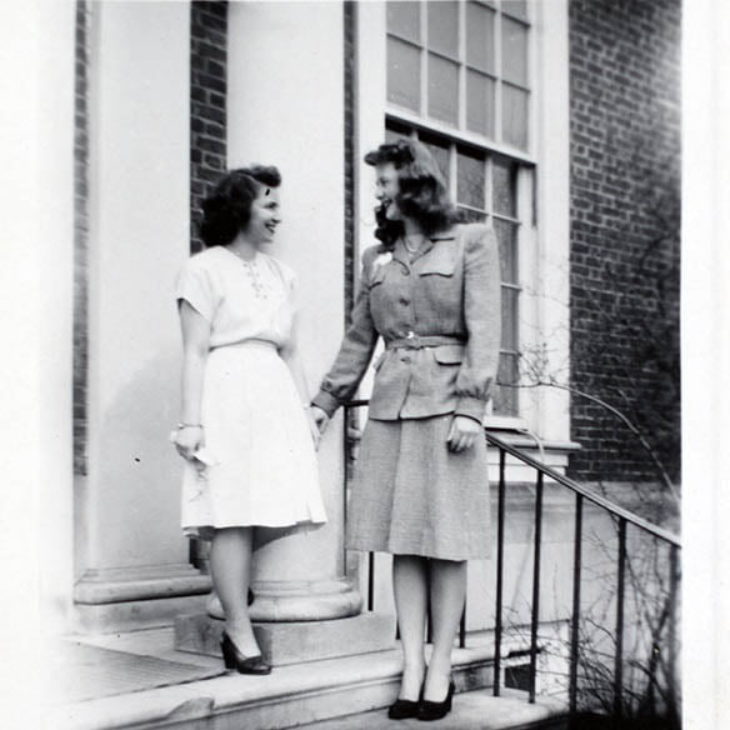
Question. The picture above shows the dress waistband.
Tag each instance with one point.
(242, 344)
(418, 342)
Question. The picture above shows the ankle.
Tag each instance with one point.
(412, 681)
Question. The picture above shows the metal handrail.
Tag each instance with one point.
(606, 504)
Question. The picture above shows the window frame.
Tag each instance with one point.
(424, 119)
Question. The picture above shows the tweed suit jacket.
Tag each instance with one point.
(449, 291)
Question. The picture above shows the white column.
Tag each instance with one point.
(139, 231)
(285, 107)
(36, 52)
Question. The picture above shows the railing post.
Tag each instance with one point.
(429, 615)
(672, 657)
(536, 587)
(500, 571)
(371, 581)
(618, 699)
(575, 622)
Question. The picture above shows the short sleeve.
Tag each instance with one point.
(195, 287)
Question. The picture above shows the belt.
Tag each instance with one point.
(418, 342)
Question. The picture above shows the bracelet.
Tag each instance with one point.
(181, 426)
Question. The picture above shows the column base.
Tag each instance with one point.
(294, 642)
(298, 601)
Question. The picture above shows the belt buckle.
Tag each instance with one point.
(412, 339)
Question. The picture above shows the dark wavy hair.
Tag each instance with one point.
(228, 209)
(423, 194)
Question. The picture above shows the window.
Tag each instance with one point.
(462, 64)
(458, 80)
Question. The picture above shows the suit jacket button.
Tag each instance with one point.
(404, 301)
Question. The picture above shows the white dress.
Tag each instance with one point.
(261, 467)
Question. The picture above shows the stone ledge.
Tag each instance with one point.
(111, 618)
(138, 585)
(294, 642)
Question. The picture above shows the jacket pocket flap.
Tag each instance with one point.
(441, 261)
(449, 354)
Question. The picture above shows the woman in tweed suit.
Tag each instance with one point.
(431, 290)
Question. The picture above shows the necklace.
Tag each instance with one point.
(413, 249)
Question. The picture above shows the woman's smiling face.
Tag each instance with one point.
(265, 216)
(387, 188)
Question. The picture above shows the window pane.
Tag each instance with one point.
(443, 89)
(440, 153)
(517, 8)
(480, 103)
(514, 116)
(443, 27)
(507, 238)
(514, 52)
(505, 398)
(470, 181)
(509, 318)
(504, 187)
(480, 37)
(404, 20)
(404, 74)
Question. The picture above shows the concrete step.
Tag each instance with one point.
(294, 695)
(474, 710)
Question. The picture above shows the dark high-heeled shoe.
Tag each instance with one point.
(405, 709)
(233, 659)
(428, 710)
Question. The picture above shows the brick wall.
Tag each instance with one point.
(625, 152)
(350, 19)
(208, 36)
(81, 228)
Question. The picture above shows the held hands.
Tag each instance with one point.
(320, 418)
(462, 434)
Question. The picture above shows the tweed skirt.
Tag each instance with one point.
(412, 496)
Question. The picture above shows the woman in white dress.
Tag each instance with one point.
(245, 432)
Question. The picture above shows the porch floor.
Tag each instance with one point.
(150, 685)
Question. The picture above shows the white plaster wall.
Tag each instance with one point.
(285, 107)
(139, 211)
